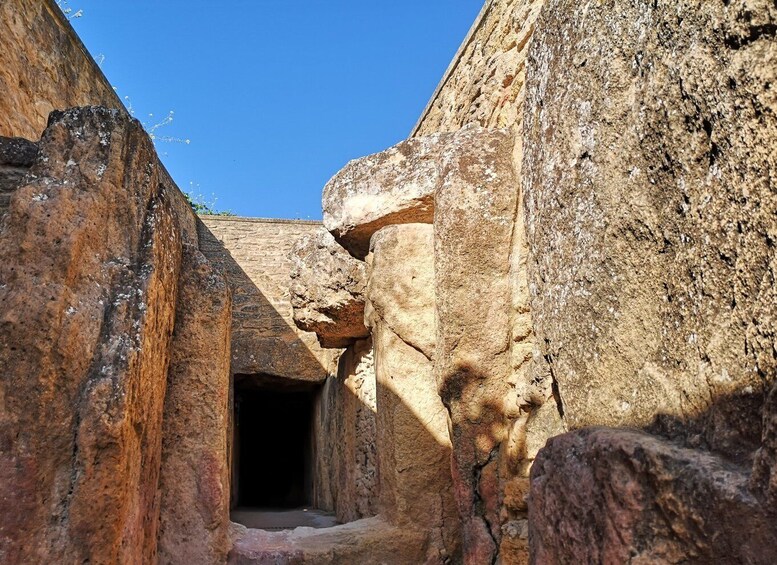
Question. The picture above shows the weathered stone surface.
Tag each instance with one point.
(17, 152)
(194, 481)
(764, 478)
(413, 442)
(372, 541)
(327, 290)
(91, 256)
(346, 475)
(44, 67)
(254, 256)
(401, 285)
(395, 186)
(618, 496)
(485, 82)
(475, 211)
(16, 157)
(649, 145)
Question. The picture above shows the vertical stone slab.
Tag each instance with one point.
(649, 139)
(650, 213)
(413, 442)
(91, 252)
(483, 336)
(346, 480)
(194, 482)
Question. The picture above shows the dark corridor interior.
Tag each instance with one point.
(273, 446)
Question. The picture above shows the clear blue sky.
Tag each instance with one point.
(275, 96)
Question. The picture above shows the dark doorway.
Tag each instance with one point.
(273, 444)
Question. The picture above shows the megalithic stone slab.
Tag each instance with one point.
(91, 251)
(648, 171)
(395, 186)
(327, 290)
(413, 444)
(605, 495)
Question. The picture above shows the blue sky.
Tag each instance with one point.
(275, 96)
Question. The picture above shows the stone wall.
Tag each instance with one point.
(254, 254)
(650, 211)
(43, 67)
(345, 478)
(484, 83)
(92, 247)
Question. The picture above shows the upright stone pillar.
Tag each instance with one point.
(413, 442)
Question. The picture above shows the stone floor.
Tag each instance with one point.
(282, 519)
(369, 541)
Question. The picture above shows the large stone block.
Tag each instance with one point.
(650, 209)
(91, 251)
(346, 473)
(395, 186)
(603, 495)
(484, 340)
(327, 290)
(194, 481)
(413, 443)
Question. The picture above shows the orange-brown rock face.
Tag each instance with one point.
(194, 483)
(88, 283)
(44, 67)
(487, 397)
(604, 495)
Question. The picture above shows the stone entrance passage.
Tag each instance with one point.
(272, 442)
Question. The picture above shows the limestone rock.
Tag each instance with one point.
(327, 290)
(764, 477)
(401, 284)
(413, 443)
(44, 67)
(475, 209)
(17, 152)
(616, 496)
(17, 155)
(91, 251)
(346, 476)
(485, 86)
(649, 144)
(395, 186)
(194, 482)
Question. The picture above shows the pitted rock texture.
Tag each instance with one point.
(620, 496)
(17, 155)
(395, 186)
(194, 481)
(413, 443)
(346, 475)
(91, 253)
(649, 141)
(17, 152)
(474, 227)
(485, 83)
(327, 290)
(764, 477)
(44, 67)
